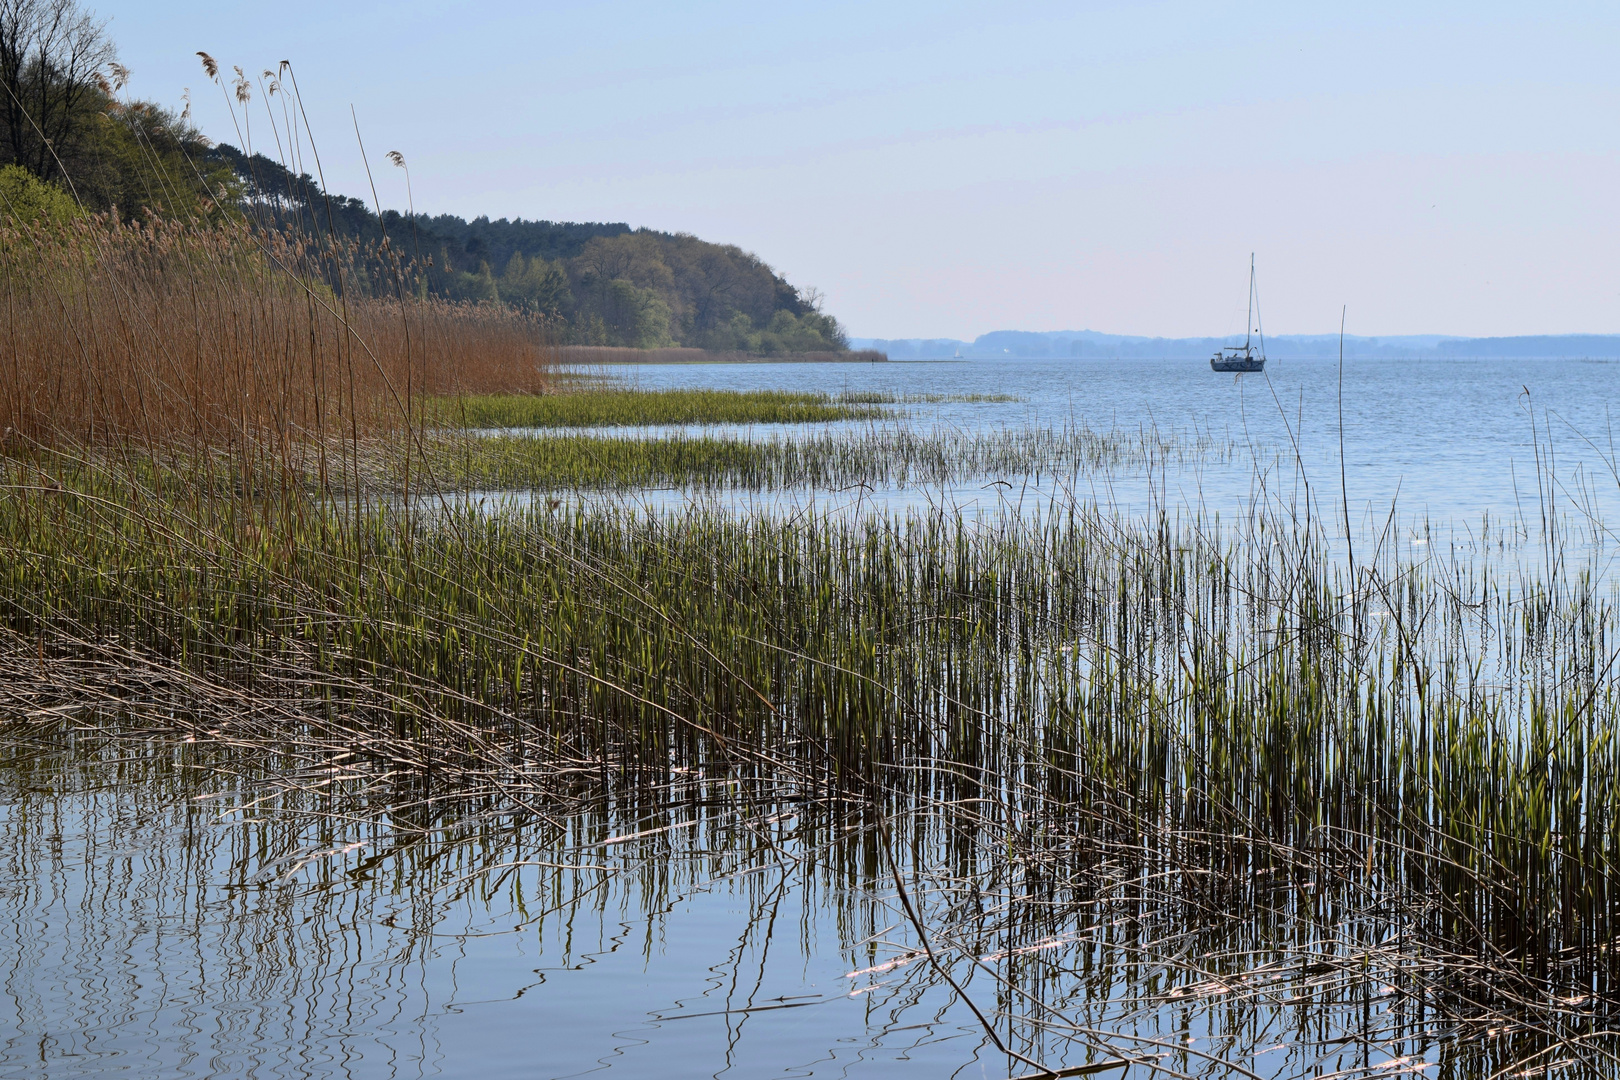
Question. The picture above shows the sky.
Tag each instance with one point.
(950, 168)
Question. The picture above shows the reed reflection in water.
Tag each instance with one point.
(166, 923)
(203, 913)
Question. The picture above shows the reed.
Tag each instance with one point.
(1228, 702)
(616, 407)
(1289, 974)
(594, 355)
(210, 336)
(573, 402)
(893, 456)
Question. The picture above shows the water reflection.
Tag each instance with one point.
(198, 910)
(203, 912)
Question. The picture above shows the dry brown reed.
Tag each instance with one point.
(223, 335)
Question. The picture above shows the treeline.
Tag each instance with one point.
(64, 122)
(599, 283)
(71, 143)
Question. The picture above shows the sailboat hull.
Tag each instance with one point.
(1237, 363)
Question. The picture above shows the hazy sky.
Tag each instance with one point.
(946, 169)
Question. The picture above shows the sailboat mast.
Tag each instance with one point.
(1230, 357)
(1248, 323)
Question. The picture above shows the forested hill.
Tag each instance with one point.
(599, 283)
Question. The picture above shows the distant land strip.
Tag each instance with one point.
(1090, 344)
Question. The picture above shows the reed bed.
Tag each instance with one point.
(894, 456)
(572, 402)
(1446, 734)
(1124, 771)
(889, 397)
(172, 334)
(1278, 983)
(615, 407)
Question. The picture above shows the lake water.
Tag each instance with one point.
(170, 915)
(162, 922)
(1446, 441)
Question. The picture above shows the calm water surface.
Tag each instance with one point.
(157, 927)
(1447, 441)
(164, 922)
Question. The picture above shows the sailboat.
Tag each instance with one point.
(1250, 357)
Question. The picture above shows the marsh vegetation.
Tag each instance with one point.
(1157, 791)
(1102, 775)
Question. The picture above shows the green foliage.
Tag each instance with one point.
(623, 290)
(612, 407)
(63, 120)
(141, 158)
(51, 85)
(536, 286)
(599, 284)
(477, 288)
(787, 332)
(889, 455)
(716, 297)
(632, 316)
(27, 200)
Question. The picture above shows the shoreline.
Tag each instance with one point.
(597, 355)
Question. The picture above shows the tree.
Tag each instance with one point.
(595, 283)
(27, 200)
(139, 156)
(623, 281)
(787, 332)
(51, 53)
(635, 317)
(535, 285)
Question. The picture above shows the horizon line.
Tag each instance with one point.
(1334, 334)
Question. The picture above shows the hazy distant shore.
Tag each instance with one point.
(1089, 344)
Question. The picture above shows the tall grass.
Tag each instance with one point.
(880, 455)
(573, 403)
(591, 355)
(597, 407)
(1292, 972)
(211, 336)
(1444, 737)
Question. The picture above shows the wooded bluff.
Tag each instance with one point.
(73, 142)
(598, 283)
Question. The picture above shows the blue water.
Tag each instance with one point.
(158, 928)
(155, 930)
(1443, 440)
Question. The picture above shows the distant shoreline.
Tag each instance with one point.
(1092, 345)
(1276, 357)
(591, 355)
